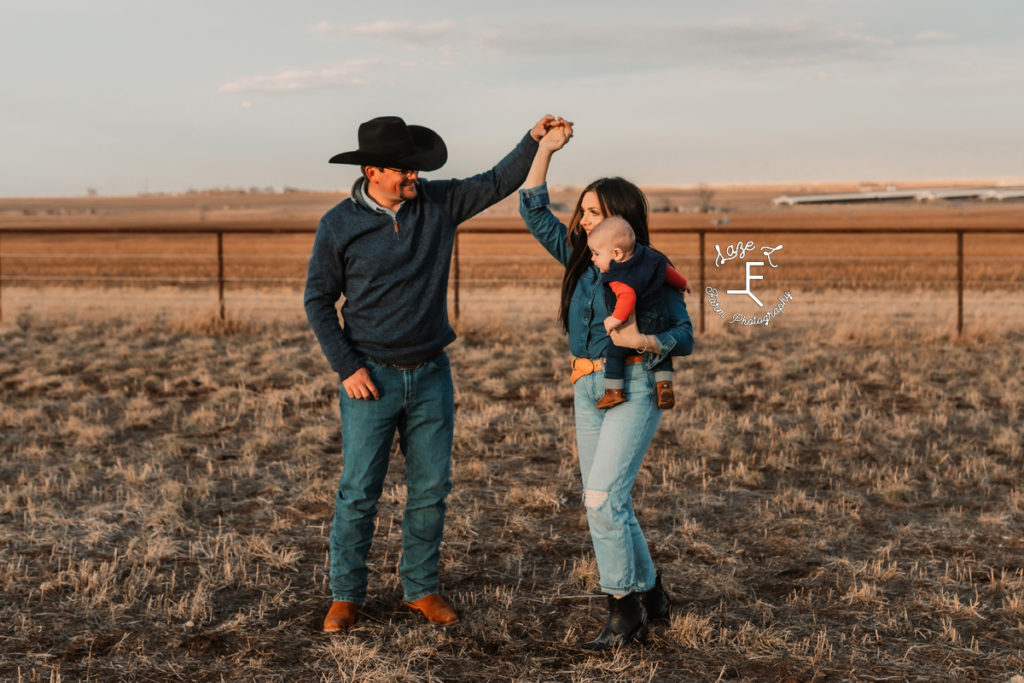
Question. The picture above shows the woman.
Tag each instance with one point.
(611, 444)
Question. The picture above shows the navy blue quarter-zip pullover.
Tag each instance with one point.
(393, 270)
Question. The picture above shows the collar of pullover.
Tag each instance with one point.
(361, 196)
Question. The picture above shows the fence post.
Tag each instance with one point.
(220, 272)
(456, 264)
(700, 293)
(959, 282)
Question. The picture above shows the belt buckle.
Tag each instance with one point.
(581, 367)
(399, 366)
(586, 365)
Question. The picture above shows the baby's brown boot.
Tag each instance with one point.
(666, 397)
(612, 397)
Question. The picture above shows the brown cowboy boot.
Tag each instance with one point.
(341, 616)
(435, 608)
(666, 398)
(611, 398)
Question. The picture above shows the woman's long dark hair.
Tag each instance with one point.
(617, 197)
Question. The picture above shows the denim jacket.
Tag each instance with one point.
(589, 308)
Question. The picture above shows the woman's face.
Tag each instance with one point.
(592, 213)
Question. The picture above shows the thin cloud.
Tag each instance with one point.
(936, 35)
(793, 43)
(742, 43)
(343, 75)
(737, 44)
(399, 31)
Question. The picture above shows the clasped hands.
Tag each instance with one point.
(552, 132)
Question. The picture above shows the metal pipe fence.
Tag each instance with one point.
(456, 280)
(725, 230)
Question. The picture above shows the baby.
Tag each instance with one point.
(636, 275)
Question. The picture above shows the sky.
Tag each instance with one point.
(130, 96)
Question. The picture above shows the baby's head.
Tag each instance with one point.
(611, 240)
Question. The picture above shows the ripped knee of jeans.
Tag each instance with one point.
(594, 499)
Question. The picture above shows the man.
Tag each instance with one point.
(388, 248)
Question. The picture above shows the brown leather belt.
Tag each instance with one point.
(581, 367)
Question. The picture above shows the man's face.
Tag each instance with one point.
(390, 186)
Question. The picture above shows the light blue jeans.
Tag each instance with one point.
(419, 405)
(611, 445)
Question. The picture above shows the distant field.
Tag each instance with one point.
(819, 260)
(496, 252)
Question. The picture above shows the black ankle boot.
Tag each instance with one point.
(657, 601)
(627, 620)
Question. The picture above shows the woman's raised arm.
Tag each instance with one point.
(555, 139)
(533, 198)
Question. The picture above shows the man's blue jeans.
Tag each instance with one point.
(419, 404)
(611, 445)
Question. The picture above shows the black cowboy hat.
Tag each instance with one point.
(389, 141)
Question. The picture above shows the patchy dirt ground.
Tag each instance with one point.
(841, 506)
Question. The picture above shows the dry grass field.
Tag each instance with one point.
(837, 496)
(826, 504)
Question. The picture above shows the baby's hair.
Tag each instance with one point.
(617, 231)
